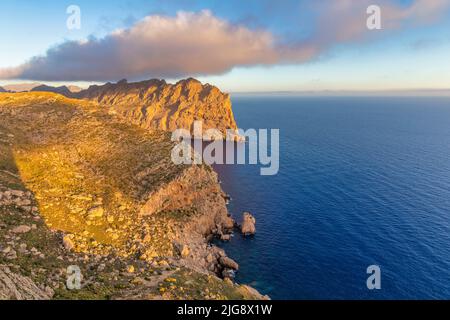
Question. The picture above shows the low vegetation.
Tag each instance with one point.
(74, 180)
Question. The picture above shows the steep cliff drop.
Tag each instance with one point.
(155, 104)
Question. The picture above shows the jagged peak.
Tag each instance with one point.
(189, 81)
(151, 103)
(189, 84)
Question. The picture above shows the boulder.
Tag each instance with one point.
(96, 212)
(21, 229)
(228, 263)
(68, 243)
(185, 251)
(228, 274)
(210, 258)
(182, 249)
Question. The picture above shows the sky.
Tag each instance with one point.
(240, 46)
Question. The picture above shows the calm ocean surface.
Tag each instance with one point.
(362, 181)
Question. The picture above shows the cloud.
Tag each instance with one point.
(344, 21)
(192, 44)
(157, 46)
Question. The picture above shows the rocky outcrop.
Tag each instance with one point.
(74, 89)
(228, 263)
(197, 187)
(248, 224)
(14, 286)
(155, 104)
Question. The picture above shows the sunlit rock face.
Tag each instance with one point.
(155, 104)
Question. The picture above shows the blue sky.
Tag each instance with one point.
(412, 55)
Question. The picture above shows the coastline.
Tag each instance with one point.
(140, 223)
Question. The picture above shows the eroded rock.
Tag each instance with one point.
(228, 263)
(68, 242)
(155, 104)
(248, 224)
(17, 287)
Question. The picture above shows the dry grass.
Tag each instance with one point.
(89, 173)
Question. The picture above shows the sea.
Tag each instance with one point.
(363, 181)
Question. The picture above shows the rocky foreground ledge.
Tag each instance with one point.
(79, 186)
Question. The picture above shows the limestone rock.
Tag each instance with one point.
(182, 249)
(21, 229)
(228, 263)
(185, 251)
(17, 287)
(248, 224)
(68, 243)
(155, 104)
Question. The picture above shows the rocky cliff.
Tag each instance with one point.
(81, 186)
(155, 104)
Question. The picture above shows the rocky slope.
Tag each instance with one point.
(81, 186)
(2, 89)
(155, 104)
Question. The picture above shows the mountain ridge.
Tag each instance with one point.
(156, 104)
(64, 90)
(36, 86)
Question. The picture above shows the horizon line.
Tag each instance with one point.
(389, 92)
(322, 92)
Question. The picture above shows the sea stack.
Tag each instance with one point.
(248, 224)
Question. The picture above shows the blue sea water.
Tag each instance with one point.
(362, 181)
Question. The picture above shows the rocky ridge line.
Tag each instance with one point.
(155, 104)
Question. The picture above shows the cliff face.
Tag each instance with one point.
(155, 104)
(79, 186)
